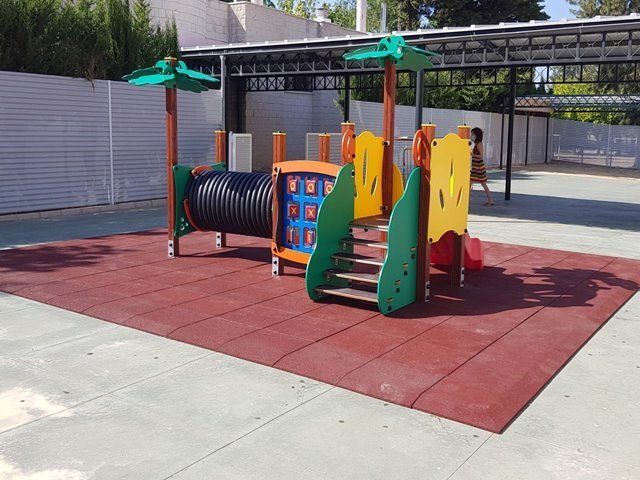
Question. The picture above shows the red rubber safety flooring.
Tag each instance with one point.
(477, 355)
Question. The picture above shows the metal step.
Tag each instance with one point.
(353, 293)
(378, 222)
(354, 276)
(362, 242)
(356, 258)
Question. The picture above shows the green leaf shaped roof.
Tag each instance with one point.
(180, 77)
(395, 49)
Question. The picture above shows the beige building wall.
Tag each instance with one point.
(212, 22)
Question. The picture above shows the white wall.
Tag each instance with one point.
(61, 148)
(295, 113)
(212, 22)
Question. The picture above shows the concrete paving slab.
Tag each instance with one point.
(28, 394)
(513, 456)
(44, 230)
(344, 435)
(221, 398)
(108, 438)
(31, 326)
(114, 358)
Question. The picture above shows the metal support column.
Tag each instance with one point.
(512, 114)
(347, 98)
(526, 143)
(546, 141)
(223, 92)
(501, 133)
(419, 98)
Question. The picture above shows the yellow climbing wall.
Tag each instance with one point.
(449, 192)
(368, 174)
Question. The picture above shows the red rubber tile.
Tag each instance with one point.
(103, 279)
(210, 333)
(164, 321)
(257, 316)
(179, 277)
(404, 373)
(332, 358)
(172, 296)
(211, 286)
(251, 292)
(502, 252)
(400, 327)
(85, 299)
(144, 271)
(263, 346)
(340, 312)
(308, 327)
(488, 391)
(47, 291)
(133, 288)
(213, 305)
(293, 303)
(118, 311)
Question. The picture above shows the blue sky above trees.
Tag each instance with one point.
(557, 9)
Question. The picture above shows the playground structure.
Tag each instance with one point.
(310, 209)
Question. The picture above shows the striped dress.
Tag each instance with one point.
(478, 170)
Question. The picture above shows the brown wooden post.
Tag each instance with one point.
(423, 278)
(279, 155)
(221, 157)
(221, 146)
(171, 101)
(324, 146)
(388, 123)
(457, 266)
(279, 147)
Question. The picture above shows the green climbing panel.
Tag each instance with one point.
(397, 284)
(334, 219)
(181, 176)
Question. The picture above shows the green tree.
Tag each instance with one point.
(305, 8)
(95, 39)
(591, 8)
(448, 13)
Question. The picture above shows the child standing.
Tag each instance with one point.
(478, 169)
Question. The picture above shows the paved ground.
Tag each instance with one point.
(82, 398)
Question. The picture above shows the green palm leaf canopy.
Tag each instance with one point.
(395, 49)
(180, 77)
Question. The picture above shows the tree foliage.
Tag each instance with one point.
(448, 13)
(591, 8)
(95, 39)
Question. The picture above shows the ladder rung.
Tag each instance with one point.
(378, 222)
(364, 242)
(354, 276)
(353, 293)
(356, 258)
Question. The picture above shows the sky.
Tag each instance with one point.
(557, 9)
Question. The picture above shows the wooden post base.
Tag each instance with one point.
(457, 266)
(221, 239)
(173, 247)
(277, 266)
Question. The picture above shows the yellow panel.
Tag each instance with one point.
(398, 187)
(368, 175)
(449, 197)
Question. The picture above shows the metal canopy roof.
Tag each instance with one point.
(577, 103)
(600, 40)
